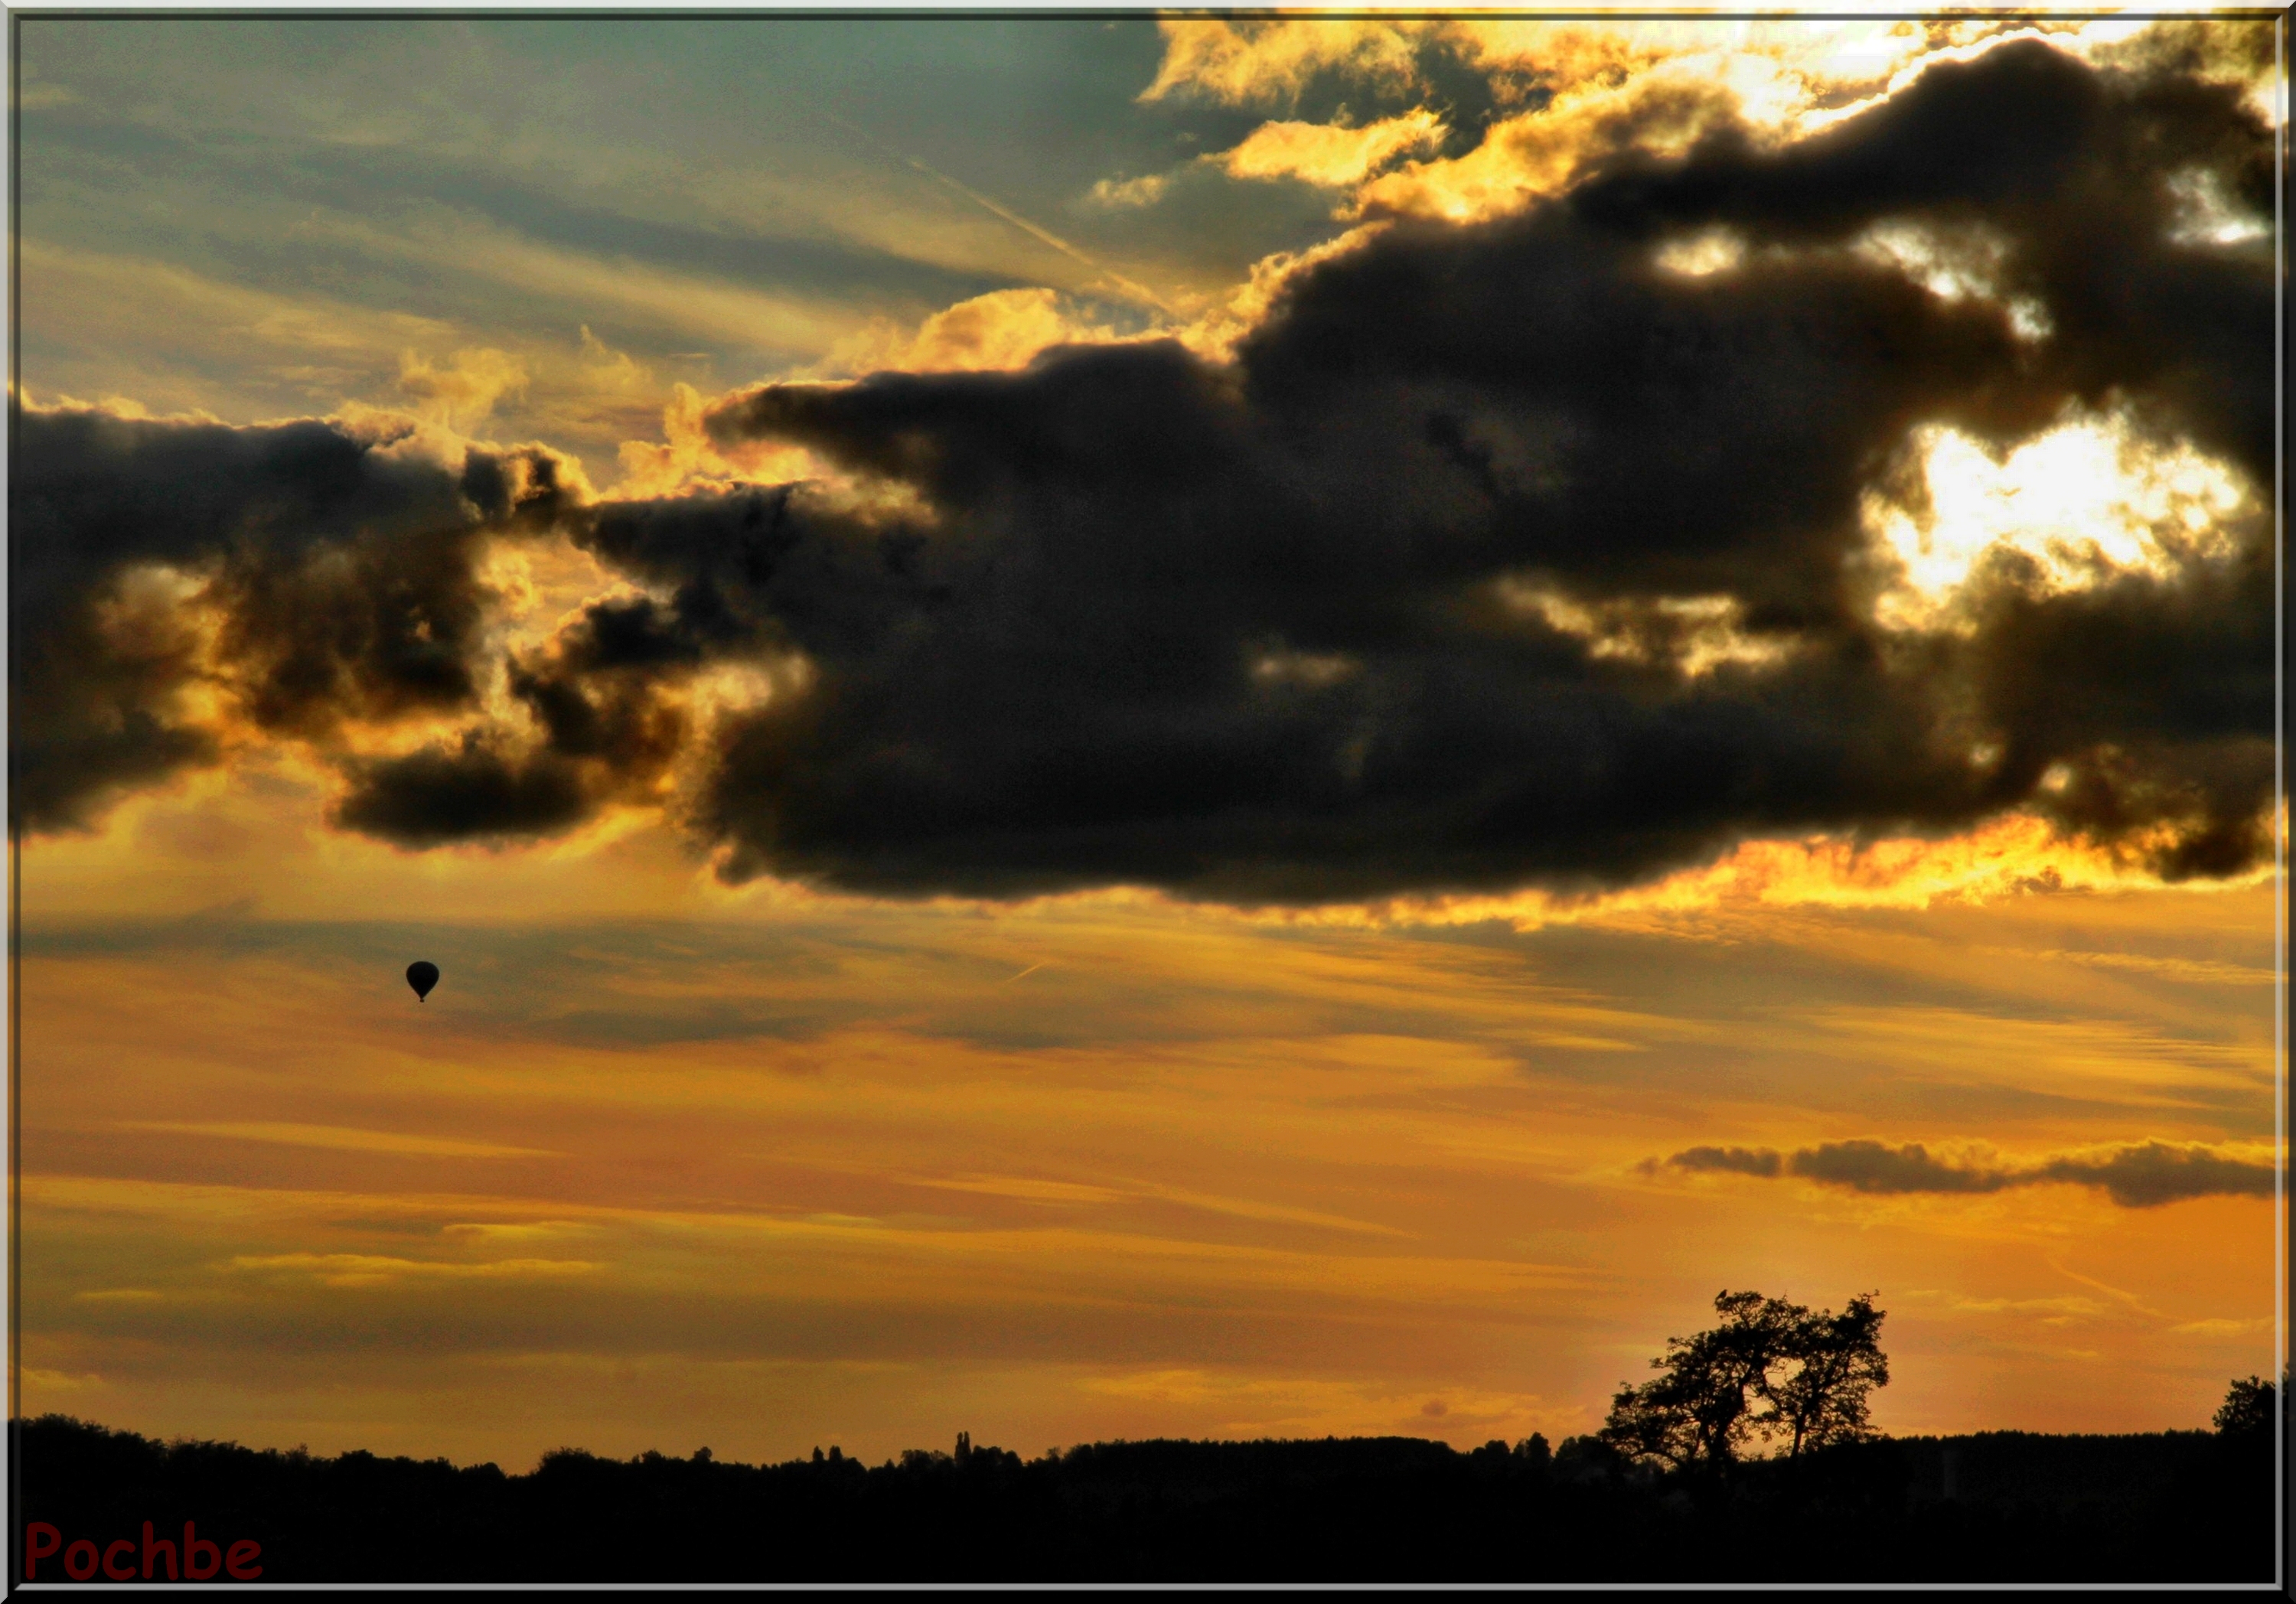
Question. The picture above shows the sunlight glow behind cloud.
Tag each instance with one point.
(2083, 502)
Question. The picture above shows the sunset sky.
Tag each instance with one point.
(1114, 728)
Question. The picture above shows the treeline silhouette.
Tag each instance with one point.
(1995, 1506)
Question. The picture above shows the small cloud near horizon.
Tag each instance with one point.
(2137, 1175)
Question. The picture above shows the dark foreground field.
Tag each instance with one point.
(2177, 1506)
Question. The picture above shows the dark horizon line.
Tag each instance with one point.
(966, 1447)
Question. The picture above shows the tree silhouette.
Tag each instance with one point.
(1771, 1370)
(2248, 1407)
(1699, 1411)
(1825, 1370)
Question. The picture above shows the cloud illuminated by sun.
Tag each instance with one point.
(1694, 635)
(1333, 157)
(1002, 329)
(686, 460)
(1567, 90)
(2016, 855)
(2086, 500)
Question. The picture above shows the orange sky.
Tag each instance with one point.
(760, 1171)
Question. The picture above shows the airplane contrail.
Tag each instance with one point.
(1132, 286)
(1024, 973)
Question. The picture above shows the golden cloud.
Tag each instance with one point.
(686, 460)
(1252, 62)
(1001, 330)
(1332, 157)
(462, 394)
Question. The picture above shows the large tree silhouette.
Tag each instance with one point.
(1772, 1371)
(2248, 1406)
(1826, 1367)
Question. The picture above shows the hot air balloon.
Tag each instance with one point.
(421, 976)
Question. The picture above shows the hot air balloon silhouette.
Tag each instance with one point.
(421, 976)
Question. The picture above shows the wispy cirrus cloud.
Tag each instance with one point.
(339, 1138)
(374, 1270)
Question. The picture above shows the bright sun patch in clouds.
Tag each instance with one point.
(2207, 216)
(2085, 501)
(1962, 267)
(1694, 635)
(1709, 250)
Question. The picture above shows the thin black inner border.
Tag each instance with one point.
(18, 16)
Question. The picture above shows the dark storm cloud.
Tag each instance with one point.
(470, 788)
(2172, 720)
(1314, 625)
(1233, 629)
(605, 732)
(2088, 180)
(2084, 175)
(338, 568)
(2138, 1176)
(601, 695)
